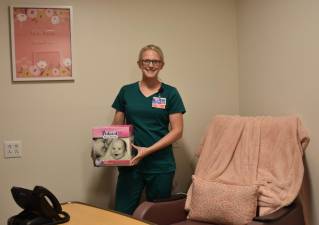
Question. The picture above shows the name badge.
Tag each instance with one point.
(159, 103)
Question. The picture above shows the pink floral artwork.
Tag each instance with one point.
(41, 40)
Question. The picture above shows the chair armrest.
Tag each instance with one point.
(275, 215)
(162, 212)
(291, 214)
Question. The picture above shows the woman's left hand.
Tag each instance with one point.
(141, 153)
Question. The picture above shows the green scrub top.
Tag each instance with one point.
(150, 123)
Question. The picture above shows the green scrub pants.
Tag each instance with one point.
(131, 183)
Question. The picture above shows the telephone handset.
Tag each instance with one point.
(40, 207)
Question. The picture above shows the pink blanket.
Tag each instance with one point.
(262, 151)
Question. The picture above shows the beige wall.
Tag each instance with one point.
(53, 119)
(278, 70)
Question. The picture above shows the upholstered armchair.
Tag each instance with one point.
(249, 171)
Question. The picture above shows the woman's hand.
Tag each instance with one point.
(141, 153)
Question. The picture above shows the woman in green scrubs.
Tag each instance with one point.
(155, 110)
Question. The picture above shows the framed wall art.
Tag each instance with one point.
(41, 43)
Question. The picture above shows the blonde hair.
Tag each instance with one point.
(151, 47)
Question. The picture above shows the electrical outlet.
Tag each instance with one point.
(12, 149)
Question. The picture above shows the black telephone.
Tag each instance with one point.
(40, 207)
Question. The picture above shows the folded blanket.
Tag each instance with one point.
(262, 151)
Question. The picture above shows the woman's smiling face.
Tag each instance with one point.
(150, 64)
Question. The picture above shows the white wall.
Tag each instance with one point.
(278, 70)
(53, 119)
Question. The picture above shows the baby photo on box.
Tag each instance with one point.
(112, 145)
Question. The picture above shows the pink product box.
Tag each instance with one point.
(112, 145)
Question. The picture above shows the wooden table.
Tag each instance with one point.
(83, 214)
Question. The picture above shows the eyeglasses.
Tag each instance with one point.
(147, 62)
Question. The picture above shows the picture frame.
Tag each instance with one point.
(41, 43)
